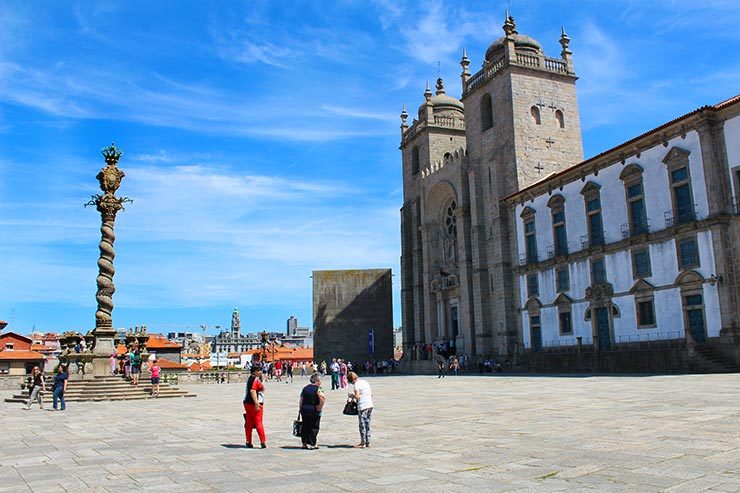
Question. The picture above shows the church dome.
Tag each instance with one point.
(441, 102)
(522, 42)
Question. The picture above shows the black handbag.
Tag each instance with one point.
(298, 427)
(350, 409)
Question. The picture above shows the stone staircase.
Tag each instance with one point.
(707, 360)
(107, 388)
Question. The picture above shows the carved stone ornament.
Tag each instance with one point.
(600, 292)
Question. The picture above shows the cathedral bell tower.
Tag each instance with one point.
(433, 137)
(522, 124)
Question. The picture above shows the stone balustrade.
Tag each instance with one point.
(522, 60)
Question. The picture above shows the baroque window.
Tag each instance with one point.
(688, 253)
(530, 235)
(559, 233)
(562, 280)
(677, 161)
(598, 271)
(641, 263)
(635, 196)
(594, 224)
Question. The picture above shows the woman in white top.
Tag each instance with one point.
(364, 396)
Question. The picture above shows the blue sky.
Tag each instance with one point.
(261, 138)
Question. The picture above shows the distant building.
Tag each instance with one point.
(353, 314)
(292, 325)
(16, 357)
(164, 348)
(233, 341)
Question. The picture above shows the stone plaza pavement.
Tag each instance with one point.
(470, 433)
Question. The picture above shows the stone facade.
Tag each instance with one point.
(347, 304)
(517, 121)
(498, 212)
(659, 265)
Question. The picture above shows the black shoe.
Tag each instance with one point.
(249, 445)
(263, 445)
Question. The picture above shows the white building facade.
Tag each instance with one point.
(637, 244)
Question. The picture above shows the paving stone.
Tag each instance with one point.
(473, 433)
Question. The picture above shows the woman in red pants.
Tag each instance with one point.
(253, 404)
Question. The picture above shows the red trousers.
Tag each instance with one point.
(253, 419)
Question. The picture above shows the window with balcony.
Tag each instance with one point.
(677, 162)
(688, 253)
(598, 271)
(559, 232)
(635, 195)
(594, 223)
(641, 263)
(530, 235)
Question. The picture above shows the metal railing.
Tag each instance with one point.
(683, 217)
(630, 342)
(630, 231)
(591, 241)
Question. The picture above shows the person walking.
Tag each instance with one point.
(113, 363)
(155, 379)
(289, 372)
(455, 365)
(127, 365)
(37, 387)
(342, 374)
(279, 370)
(135, 367)
(441, 368)
(310, 406)
(59, 388)
(304, 370)
(334, 367)
(253, 407)
(363, 394)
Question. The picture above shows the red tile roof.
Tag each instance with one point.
(10, 354)
(166, 364)
(160, 342)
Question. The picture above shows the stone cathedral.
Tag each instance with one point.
(517, 121)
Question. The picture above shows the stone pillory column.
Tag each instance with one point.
(108, 205)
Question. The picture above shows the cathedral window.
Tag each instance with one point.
(535, 111)
(641, 263)
(559, 233)
(594, 223)
(635, 195)
(677, 161)
(598, 272)
(533, 286)
(415, 160)
(560, 118)
(646, 312)
(688, 253)
(451, 220)
(562, 279)
(566, 322)
(530, 238)
(486, 112)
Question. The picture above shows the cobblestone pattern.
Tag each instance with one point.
(470, 433)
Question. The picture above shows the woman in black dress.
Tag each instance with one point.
(310, 406)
